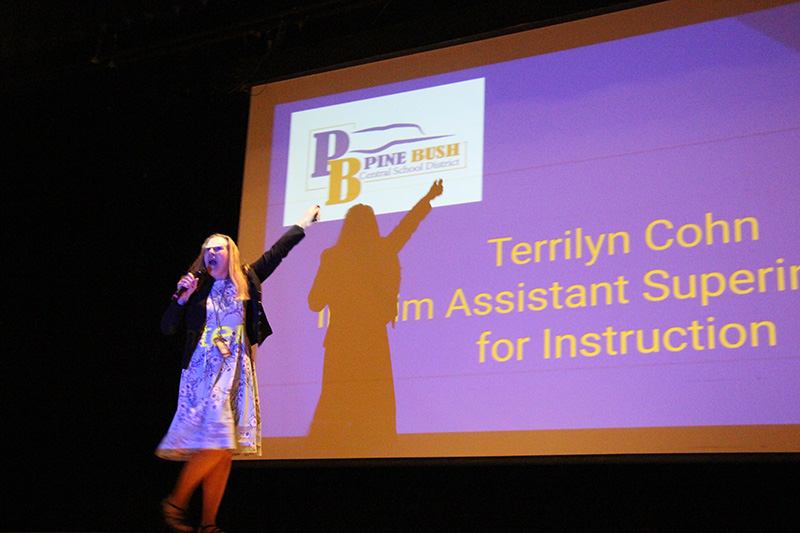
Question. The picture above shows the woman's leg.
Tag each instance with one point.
(197, 468)
(214, 488)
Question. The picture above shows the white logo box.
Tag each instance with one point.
(386, 152)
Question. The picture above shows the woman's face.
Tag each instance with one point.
(215, 256)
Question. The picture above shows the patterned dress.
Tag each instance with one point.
(218, 396)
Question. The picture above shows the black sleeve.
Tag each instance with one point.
(172, 318)
(269, 260)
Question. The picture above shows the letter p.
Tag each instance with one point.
(325, 152)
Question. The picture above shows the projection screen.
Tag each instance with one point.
(579, 239)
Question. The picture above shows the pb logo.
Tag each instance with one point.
(330, 147)
(379, 158)
(383, 151)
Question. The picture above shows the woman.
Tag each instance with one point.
(219, 304)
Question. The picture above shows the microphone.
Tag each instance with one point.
(181, 290)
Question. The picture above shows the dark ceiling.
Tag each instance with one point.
(212, 45)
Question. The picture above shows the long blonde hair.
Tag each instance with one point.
(235, 269)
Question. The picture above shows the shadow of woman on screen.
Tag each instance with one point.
(359, 280)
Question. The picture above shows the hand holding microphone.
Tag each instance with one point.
(186, 286)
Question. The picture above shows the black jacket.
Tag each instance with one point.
(192, 315)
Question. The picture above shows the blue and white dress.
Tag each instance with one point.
(218, 398)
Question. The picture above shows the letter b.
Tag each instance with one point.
(338, 176)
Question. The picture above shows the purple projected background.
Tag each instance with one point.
(608, 139)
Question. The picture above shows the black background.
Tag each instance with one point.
(123, 141)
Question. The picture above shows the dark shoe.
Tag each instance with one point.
(210, 528)
(176, 518)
